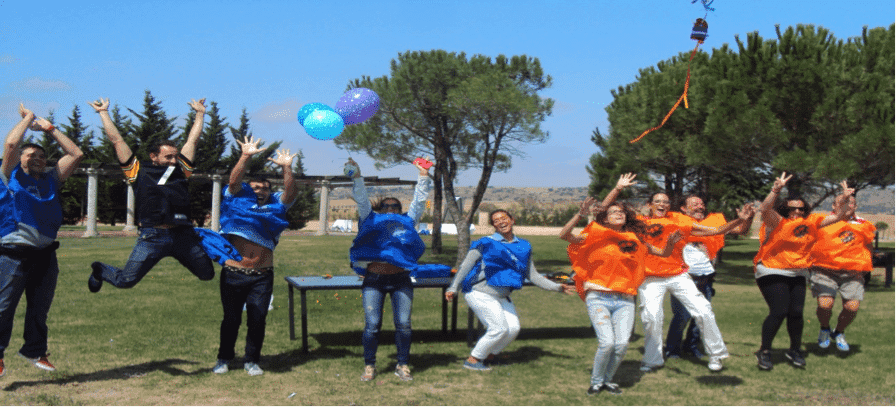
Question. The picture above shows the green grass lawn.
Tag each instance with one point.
(156, 343)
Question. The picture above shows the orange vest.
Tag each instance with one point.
(844, 246)
(713, 243)
(658, 231)
(612, 259)
(789, 245)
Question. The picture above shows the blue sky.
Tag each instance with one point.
(272, 57)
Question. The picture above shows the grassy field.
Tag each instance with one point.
(156, 343)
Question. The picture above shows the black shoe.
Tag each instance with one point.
(795, 358)
(95, 282)
(765, 360)
(612, 388)
(594, 389)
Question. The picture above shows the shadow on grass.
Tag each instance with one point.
(813, 349)
(286, 361)
(168, 366)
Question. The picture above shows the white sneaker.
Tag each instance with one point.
(824, 338)
(220, 367)
(841, 342)
(715, 364)
(253, 369)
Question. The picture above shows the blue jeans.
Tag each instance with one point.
(153, 245)
(681, 317)
(374, 290)
(613, 317)
(34, 273)
(254, 291)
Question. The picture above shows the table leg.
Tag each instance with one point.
(292, 317)
(444, 311)
(304, 322)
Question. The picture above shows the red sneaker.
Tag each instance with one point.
(40, 363)
(2, 369)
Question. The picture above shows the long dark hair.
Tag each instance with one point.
(632, 223)
(781, 207)
(378, 206)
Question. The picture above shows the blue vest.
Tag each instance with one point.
(7, 211)
(217, 247)
(505, 264)
(37, 203)
(242, 216)
(386, 238)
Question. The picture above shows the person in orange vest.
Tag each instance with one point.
(608, 259)
(840, 259)
(670, 274)
(782, 264)
(700, 255)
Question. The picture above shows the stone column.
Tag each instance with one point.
(130, 223)
(92, 179)
(324, 209)
(216, 202)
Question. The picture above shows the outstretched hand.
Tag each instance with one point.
(250, 146)
(449, 295)
(41, 124)
(100, 105)
(423, 171)
(283, 158)
(357, 173)
(746, 212)
(569, 289)
(198, 105)
(847, 192)
(626, 180)
(585, 206)
(24, 112)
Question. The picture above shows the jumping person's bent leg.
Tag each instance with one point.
(152, 245)
(698, 306)
(189, 252)
(489, 310)
(651, 295)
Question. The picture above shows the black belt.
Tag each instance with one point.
(247, 271)
(14, 250)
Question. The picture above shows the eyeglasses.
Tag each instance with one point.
(796, 208)
(391, 206)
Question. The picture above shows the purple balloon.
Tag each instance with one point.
(357, 105)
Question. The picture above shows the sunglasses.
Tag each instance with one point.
(796, 208)
(391, 206)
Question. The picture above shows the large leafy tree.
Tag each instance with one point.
(466, 113)
(805, 103)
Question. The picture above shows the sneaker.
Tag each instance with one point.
(369, 373)
(40, 363)
(612, 388)
(671, 355)
(95, 282)
(840, 339)
(403, 372)
(715, 364)
(253, 369)
(795, 358)
(479, 366)
(765, 360)
(649, 368)
(824, 338)
(220, 367)
(595, 389)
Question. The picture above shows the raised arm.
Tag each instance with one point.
(290, 189)
(750, 211)
(122, 151)
(13, 139)
(744, 215)
(421, 191)
(248, 147)
(566, 232)
(625, 181)
(189, 148)
(840, 207)
(73, 154)
(359, 193)
(771, 217)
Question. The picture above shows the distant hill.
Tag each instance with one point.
(872, 200)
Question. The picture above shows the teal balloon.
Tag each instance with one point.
(324, 124)
(310, 108)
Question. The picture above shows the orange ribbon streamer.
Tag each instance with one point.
(683, 97)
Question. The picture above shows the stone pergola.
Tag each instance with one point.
(325, 183)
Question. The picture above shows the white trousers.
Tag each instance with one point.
(651, 295)
(499, 317)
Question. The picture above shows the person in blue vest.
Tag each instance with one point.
(28, 247)
(494, 267)
(163, 206)
(385, 250)
(252, 219)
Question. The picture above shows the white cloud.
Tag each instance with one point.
(35, 84)
(283, 112)
(7, 59)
